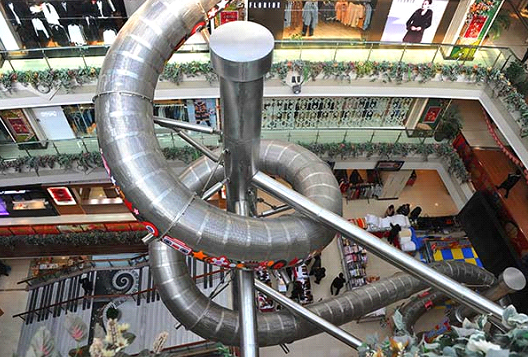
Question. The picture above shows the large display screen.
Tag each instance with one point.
(413, 21)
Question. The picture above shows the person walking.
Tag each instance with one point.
(4, 269)
(319, 274)
(86, 285)
(337, 284)
(509, 182)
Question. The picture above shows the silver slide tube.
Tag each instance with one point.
(211, 321)
(335, 331)
(387, 252)
(134, 158)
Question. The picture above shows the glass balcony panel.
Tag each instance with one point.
(386, 52)
(330, 136)
(355, 51)
(358, 135)
(73, 146)
(419, 53)
(386, 136)
(91, 143)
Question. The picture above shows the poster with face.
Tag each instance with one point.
(413, 21)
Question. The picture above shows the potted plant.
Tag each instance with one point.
(450, 124)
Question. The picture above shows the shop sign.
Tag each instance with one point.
(18, 125)
(228, 16)
(62, 196)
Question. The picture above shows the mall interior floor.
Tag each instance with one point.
(427, 192)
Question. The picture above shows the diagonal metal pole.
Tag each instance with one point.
(385, 251)
(333, 330)
(241, 62)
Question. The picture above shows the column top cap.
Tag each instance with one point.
(241, 51)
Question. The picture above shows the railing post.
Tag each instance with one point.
(436, 53)
(370, 52)
(46, 58)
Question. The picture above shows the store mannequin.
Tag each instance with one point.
(20, 17)
(40, 24)
(99, 18)
(58, 32)
(310, 17)
(70, 17)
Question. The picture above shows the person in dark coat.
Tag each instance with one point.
(319, 274)
(296, 291)
(87, 286)
(4, 269)
(390, 211)
(316, 264)
(337, 284)
(404, 209)
(510, 181)
(393, 234)
(420, 20)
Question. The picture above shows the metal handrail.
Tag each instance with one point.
(76, 265)
(111, 296)
(98, 52)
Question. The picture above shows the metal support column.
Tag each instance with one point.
(241, 62)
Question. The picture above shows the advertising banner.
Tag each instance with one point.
(479, 19)
(414, 21)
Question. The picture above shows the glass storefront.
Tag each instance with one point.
(64, 23)
(25, 202)
(425, 21)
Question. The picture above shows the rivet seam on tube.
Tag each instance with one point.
(179, 215)
(124, 93)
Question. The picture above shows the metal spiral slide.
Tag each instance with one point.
(172, 211)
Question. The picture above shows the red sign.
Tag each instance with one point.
(432, 114)
(475, 26)
(61, 196)
(228, 16)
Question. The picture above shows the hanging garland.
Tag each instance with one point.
(187, 154)
(397, 72)
(503, 148)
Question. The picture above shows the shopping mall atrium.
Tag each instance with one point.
(259, 178)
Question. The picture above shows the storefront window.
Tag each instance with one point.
(326, 19)
(64, 23)
(27, 202)
(81, 119)
(16, 121)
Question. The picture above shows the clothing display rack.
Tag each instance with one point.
(354, 261)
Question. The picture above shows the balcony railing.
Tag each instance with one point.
(14, 151)
(321, 50)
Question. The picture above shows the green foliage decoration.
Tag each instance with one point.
(345, 150)
(187, 154)
(472, 339)
(75, 239)
(384, 71)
